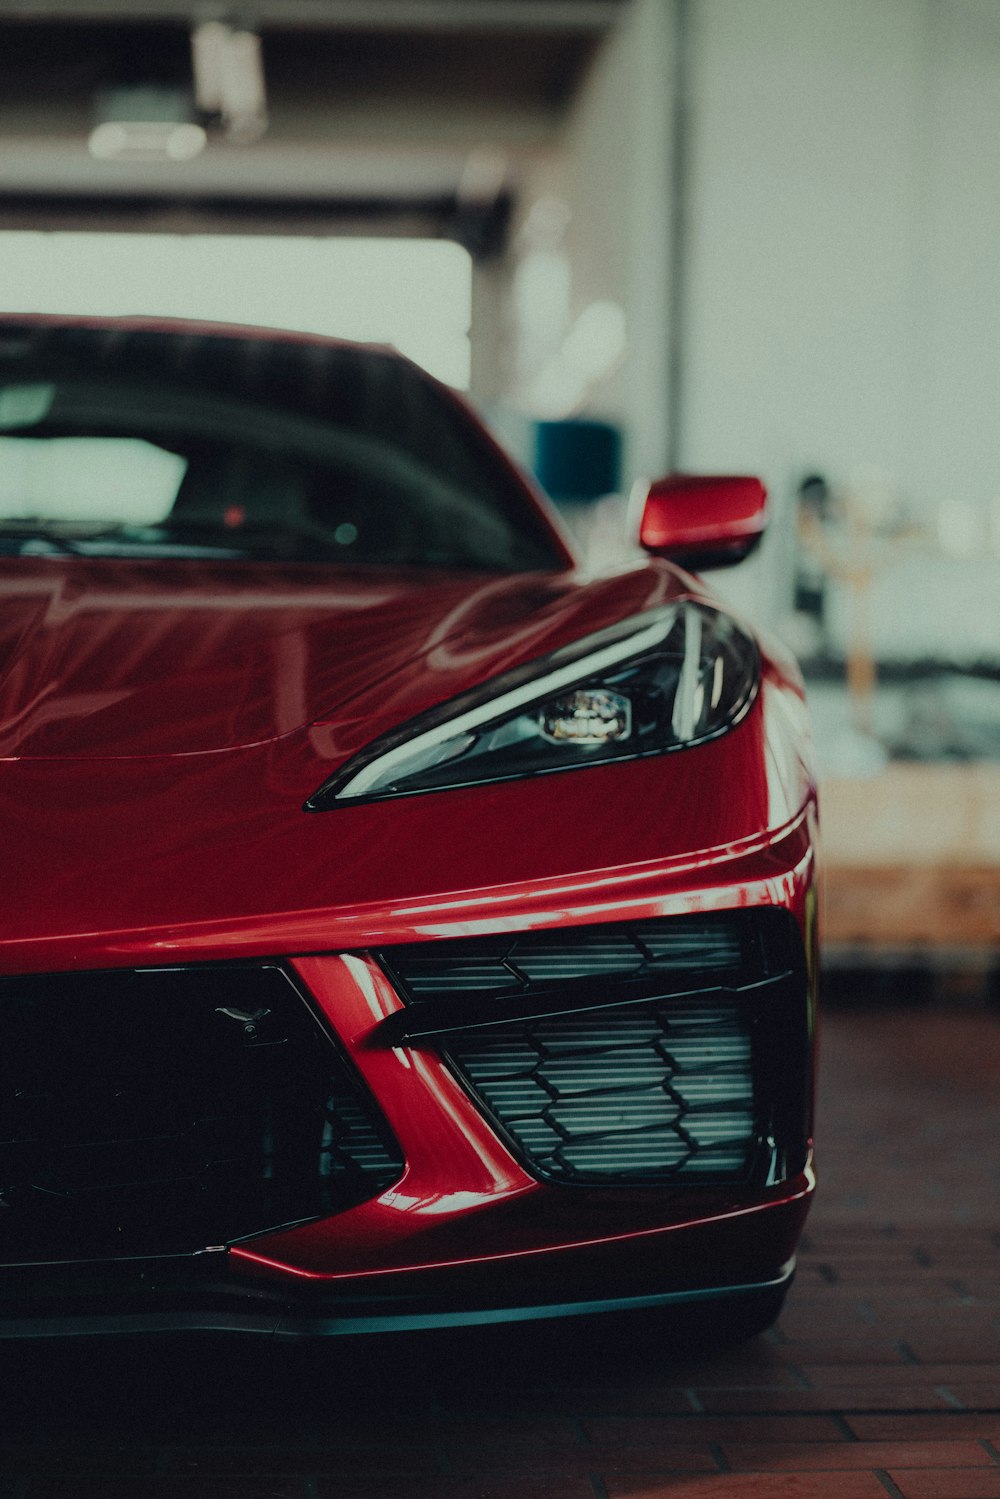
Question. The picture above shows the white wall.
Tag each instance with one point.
(843, 275)
(841, 271)
(958, 411)
(611, 172)
(800, 254)
(618, 187)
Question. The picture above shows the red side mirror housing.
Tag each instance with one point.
(703, 521)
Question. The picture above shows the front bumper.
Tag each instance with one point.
(685, 1266)
(467, 1230)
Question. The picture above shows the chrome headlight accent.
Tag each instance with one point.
(657, 682)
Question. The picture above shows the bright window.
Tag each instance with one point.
(88, 478)
(415, 294)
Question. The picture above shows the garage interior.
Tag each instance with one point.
(644, 236)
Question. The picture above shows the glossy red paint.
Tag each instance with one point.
(703, 520)
(464, 1201)
(162, 724)
(538, 1245)
(215, 868)
(121, 659)
(363, 873)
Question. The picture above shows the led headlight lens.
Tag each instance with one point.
(587, 715)
(660, 681)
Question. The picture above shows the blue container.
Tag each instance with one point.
(578, 460)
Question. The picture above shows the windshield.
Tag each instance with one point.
(108, 467)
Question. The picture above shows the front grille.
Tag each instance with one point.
(649, 1088)
(517, 964)
(167, 1111)
(664, 1051)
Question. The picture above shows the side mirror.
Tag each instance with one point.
(702, 521)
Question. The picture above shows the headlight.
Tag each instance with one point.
(660, 681)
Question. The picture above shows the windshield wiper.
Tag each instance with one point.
(38, 539)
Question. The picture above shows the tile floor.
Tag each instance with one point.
(881, 1378)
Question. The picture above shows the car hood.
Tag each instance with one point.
(109, 658)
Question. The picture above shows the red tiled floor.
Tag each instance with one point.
(755, 1457)
(956, 1424)
(822, 1376)
(752, 1486)
(881, 1380)
(784, 1428)
(960, 1483)
(871, 1397)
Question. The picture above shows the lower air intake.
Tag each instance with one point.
(165, 1112)
(668, 1051)
(664, 1088)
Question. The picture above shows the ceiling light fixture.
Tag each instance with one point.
(229, 87)
(145, 122)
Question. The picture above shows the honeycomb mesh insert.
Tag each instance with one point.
(660, 1050)
(662, 1089)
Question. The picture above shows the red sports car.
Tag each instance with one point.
(401, 928)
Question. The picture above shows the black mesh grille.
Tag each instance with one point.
(672, 1050)
(514, 964)
(163, 1112)
(661, 1087)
